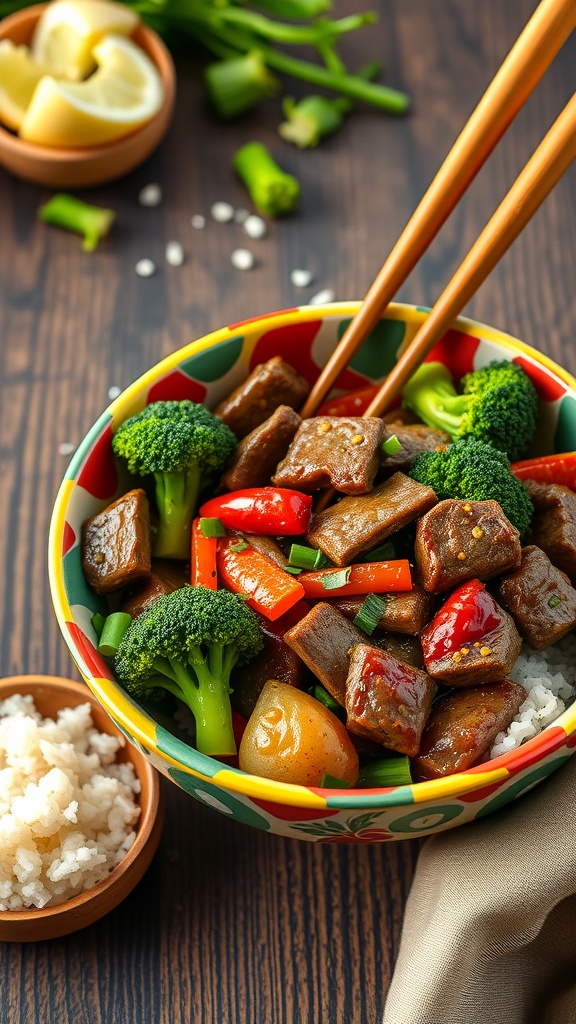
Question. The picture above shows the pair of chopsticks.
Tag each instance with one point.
(531, 55)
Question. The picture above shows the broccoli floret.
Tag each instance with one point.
(187, 643)
(183, 446)
(498, 404)
(473, 471)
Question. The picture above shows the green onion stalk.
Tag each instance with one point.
(312, 118)
(92, 222)
(272, 190)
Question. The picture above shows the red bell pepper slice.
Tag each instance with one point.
(548, 469)
(269, 589)
(469, 614)
(353, 403)
(274, 511)
(203, 559)
(364, 578)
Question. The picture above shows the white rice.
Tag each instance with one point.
(549, 678)
(67, 812)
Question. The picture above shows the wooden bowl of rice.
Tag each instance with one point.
(73, 870)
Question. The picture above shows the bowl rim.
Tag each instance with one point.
(149, 815)
(131, 717)
(161, 58)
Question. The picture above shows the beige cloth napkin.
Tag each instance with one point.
(489, 933)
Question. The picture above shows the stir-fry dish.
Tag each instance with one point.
(414, 626)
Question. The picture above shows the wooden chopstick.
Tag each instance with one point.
(552, 158)
(531, 55)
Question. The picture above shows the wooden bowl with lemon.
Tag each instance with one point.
(86, 92)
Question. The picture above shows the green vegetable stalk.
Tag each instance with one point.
(66, 211)
(238, 84)
(273, 192)
(314, 117)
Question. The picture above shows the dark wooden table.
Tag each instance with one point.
(232, 926)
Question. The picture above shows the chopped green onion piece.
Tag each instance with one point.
(292, 569)
(212, 527)
(272, 190)
(391, 446)
(307, 558)
(327, 700)
(333, 782)
(554, 602)
(114, 628)
(241, 546)
(98, 621)
(370, 612)
(239, 83)
(382, 553)
(390, 771)
(334, 580)
(71, 213)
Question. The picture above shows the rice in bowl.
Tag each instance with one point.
(67, 810)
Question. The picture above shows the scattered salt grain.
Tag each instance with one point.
(301, 278)
(241, 215)
(198, 221)
(222, 212)
(174, 254)
(254, 226)
(150, 195)
(66, 448)
(113, 392)
(326, 295)
(242, 259)
(145, 268)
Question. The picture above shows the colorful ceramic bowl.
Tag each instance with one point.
(88, 165)
(205, 371)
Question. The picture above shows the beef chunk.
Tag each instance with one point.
(463, 726)
(116, 543)
(554, 524)
(358, 523)
(406, 612)
(399, 417)
(267, 546)
(342, 452)
(464, 540)
(276, 661)
(323, 639)
(414, 438)
(269, 385)
(387, 701)
(540, 599)
(471, 639)
(165, 577)
(258, 454)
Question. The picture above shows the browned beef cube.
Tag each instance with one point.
(258, 454)
(540, 599)
(554, 524)
(386, 700)
(116, 543)
(323, 639)
(463, 726)
(342, 452)
(267, 546)
(406, 612)
(360, 522)
(488, 659)
(276, 661)
(165, 577)
(400, 417)
(269, 385)
(414, 438)
(464, 540)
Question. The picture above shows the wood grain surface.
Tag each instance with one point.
(231, 926)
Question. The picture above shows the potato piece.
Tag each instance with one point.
(292, 737)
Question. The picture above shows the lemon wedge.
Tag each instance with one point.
(19, 76)
(68, 31)
(123, 93)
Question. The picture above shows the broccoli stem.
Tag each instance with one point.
(210, 703)
(431, 394)
(65, 211)
(176, 498)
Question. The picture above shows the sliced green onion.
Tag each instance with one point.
(239, 83)
(240, 546)
(382, 553)
(212, 527)
(391, 446)
(333, 782)
(114, 628)
(334, 580)
(307, 558)
(328, 701)
(292, 569)
(98, 621)
(71, 213)
(370, 612)
(554, 602)
(390, 771)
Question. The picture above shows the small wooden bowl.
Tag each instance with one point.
(91, 165)
(50, 694)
